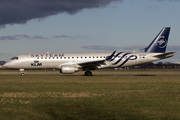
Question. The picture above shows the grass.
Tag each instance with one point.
(95, 73)
(80, 97)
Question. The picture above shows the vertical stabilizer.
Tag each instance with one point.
(160, 42)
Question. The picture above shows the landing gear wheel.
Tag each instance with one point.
(88, 73)
(22, 74)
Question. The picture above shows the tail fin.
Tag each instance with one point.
(160, 42)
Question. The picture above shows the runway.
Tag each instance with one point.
(96, 73)
(135, 76)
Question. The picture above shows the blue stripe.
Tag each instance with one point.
(129, 58)
(111, 56)
(116, 56)
(120, 59)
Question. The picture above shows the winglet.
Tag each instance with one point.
(110, 57)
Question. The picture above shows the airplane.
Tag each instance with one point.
(69, 63)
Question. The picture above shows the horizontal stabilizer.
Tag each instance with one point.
(165, 55)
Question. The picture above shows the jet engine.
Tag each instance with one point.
(68, 69)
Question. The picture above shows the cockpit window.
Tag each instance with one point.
(14, 58)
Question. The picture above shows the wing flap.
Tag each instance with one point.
(91, 64)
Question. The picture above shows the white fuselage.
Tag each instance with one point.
(40, 61)
(69, 63)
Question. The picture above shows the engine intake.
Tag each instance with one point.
(68, 69)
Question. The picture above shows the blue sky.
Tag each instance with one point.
(127, 25)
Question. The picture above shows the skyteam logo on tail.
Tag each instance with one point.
(161, 42)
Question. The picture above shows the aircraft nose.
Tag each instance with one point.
(5, 65)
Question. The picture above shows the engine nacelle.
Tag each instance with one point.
(68, 69)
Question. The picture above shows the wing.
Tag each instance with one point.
(92, 65)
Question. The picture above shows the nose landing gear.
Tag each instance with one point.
(22, 72)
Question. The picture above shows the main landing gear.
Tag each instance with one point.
(88, 73)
